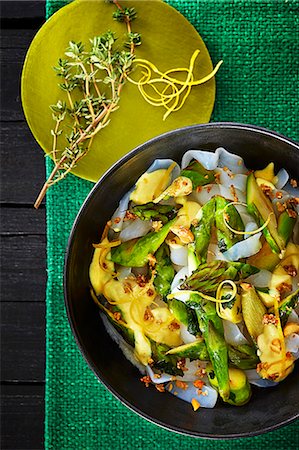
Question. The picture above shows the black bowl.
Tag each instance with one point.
(269, 408)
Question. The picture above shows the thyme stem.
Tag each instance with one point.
(47, 185)
(55, 140)
(72, 107)
(92, 112)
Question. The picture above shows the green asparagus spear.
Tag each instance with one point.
(193, 261)
(184, 315)
(212, 213)
(240, 390)
(164, 271)
(218, 353)
(192, 326)
(207, 312)
(207, 277)
(252, 209)
(163, 361)
(286, 225)
(226, 238)
(244, 270)
(198, 174)
(287, 305)
(153, 211)
(261, 207)
(243, 356)
(192, 350)
(202, 231)
(135, 253)
(179, 310)
(211, 327)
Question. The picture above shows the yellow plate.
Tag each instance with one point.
(168, 41)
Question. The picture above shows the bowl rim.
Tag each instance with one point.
(81, 346)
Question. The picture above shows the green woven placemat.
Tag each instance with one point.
(257, 85)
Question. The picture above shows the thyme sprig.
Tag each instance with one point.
(92, 81)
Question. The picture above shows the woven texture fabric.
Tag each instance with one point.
(257, 85)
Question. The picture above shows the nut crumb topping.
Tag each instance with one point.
(174, 326)
(160, 387)
(195, 404)
(262, 366)
(148, 315)
(288, 206)
(146, 380)
(267, 190)
(291, 213)
(217, 177)
(141, 280)
(293, 201)
(270, 318)
(181, 385)
(273, 376)
(152, 260)
(157, 225)
(130, 216)
(200, 373)
(233, 192)
(280, 207)
(127, 287)
(181, 363)
(117, 315)
(290, 270)
(226, 217)
(198, 384)
(284, 288)
(294, 183)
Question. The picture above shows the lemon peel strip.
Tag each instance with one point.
(205, 296)
(233, 294)
(178, 87)
(243, 232)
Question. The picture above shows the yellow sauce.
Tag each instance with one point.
(127, 293)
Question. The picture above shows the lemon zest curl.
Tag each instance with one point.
(166, 90)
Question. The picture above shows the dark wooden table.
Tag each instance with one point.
(23, 255)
